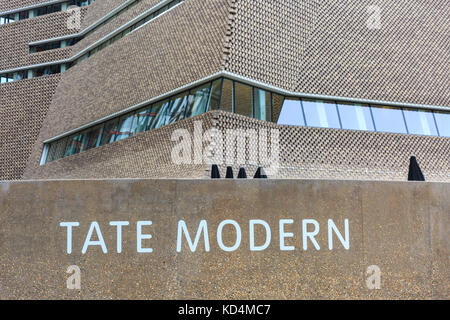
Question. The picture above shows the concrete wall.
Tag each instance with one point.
(400, 227)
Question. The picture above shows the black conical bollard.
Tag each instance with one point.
(215, 174)
(415, 173)
(260, 174)
(242, 174)
(230, 174)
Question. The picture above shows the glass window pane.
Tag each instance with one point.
(262, 105)
(443, 122)
(388, 119)
(214, 99)
(126, 126)
(177, 108)
(162, 116)
(291, 113)
(143, 118)
(277, 104)
(355, 116)
(226, 99)
(243, 99)
(198, 100)
(74, 145)
(420, 122)
(56, 150)
(109, 132)
(321, 113)
(92, 138)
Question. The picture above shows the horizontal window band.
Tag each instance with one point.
(223, 93)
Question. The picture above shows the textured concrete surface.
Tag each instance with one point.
(400, 227)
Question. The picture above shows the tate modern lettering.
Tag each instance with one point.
(200, 237)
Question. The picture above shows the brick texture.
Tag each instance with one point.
(306, 153)
(24, 105)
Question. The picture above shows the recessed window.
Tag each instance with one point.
(355, 116)
(110, 132)
(226, 101)
(177, 109)
(126, 127)
(243, 99)
(443, 123)
(389, 119)
(291, 113)
(262, 104)
(320, 113)
(198, 100)
(420, 122)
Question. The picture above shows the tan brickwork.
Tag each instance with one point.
(181, 46)
(15, 37)
(325, 47)
(143, 155)
(6, 5)
(23, 107)
(304, 152)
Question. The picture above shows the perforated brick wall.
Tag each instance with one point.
(23, 107)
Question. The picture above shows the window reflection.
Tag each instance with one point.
(355, 116)
(389, 119)
(243, 99)
(321, 113)
(177, 109)
(443, 123)
(253, 102)
(198, 101)
(292, 113)
(262, 104)
(420, 122)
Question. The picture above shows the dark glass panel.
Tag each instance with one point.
(226, 100)
(177, 108)
(56, 150)
(109, 132)
(162, 116)
(198, 100)
(243, 99)
(74, 144)
(93, 138)
(277, 104)
(214, 99)
(127, 126)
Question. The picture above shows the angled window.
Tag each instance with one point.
(243, 99)
(127, 126)
(291, 113)
(321, 113)
(389, 119)
(109, 131)
(198, 100)
(226, 101)
(177, 109)
(420, 122)
(161, 114)
(443, 123)
(92, 138)
(214, 99)
(355, 116)
(262, 104)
